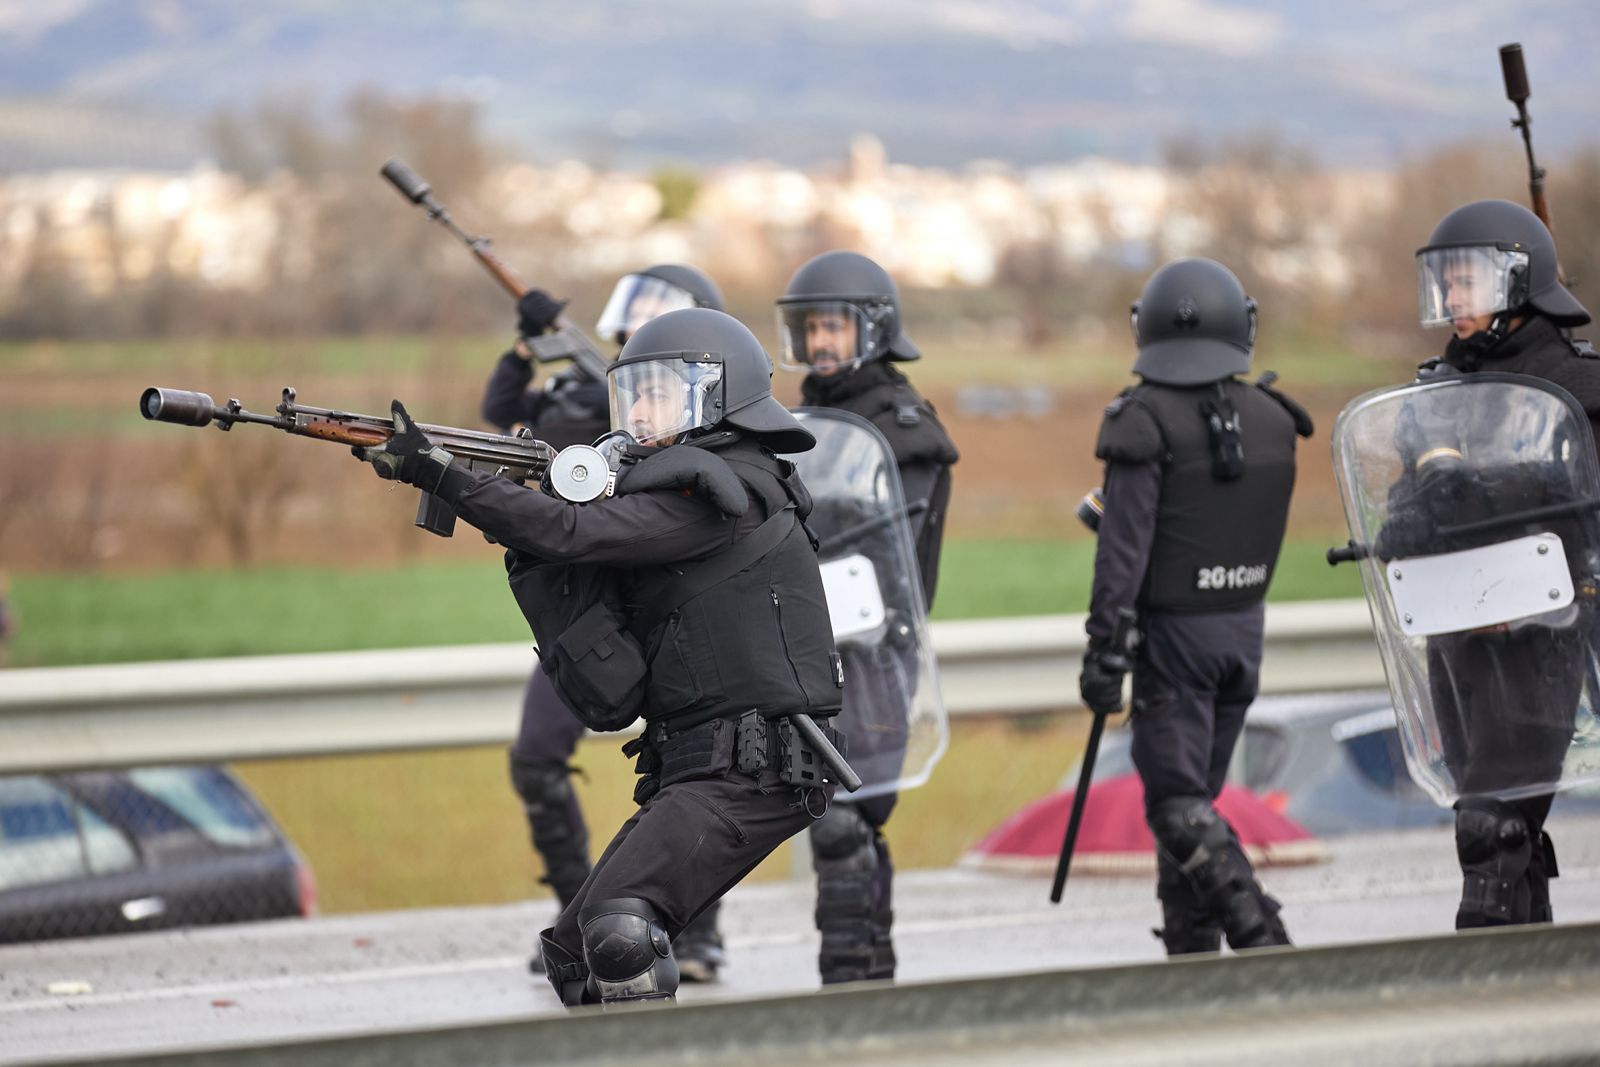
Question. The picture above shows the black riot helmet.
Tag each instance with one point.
(859, 303)
(1193, 324)
(695, 370)
(1492, 257)
(641, 296)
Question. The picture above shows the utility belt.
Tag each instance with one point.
(750, 744)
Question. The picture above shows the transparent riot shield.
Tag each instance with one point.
(1472, 506)
(893, 716)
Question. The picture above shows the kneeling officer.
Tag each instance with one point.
(709, 620)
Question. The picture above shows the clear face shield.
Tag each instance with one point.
(661, 398)
(636, 300)
(827, 337)
(1467, 283)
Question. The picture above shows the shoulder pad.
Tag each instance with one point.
(912, 428)
(1303, 426)
(1129, 433)
(704, 474)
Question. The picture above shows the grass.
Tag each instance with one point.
(68, 619)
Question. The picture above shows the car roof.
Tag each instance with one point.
(1309, 709)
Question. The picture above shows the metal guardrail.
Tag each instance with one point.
(1508, 996)
(350, 702)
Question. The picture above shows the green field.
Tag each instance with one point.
(92, 618)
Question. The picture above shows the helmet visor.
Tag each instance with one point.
(1467, 282)
(825, 336)
(661, 397)
(636, 300)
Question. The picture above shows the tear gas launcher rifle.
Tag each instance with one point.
(566, 342)
(1515, 74)
(516, 457)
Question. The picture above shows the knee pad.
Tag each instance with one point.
(555, 822)
(627, 951)
(1496, 852)
(845, 850)
(568, 975)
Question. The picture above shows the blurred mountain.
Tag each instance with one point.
(630, 82)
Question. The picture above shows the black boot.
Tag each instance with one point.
(698, 947)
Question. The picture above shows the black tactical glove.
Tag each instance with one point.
(1406, 534)
(1440, 495)
(409, 456)
(537, 311)
(1100, 684)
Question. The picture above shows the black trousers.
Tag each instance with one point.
(1195, 678)
(689, 844)
(1507, 703)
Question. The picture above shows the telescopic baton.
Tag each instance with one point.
(1123, 641)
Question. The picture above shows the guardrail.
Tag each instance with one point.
(1488, 997)
(258, 707)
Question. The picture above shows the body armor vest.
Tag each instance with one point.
(880, 394)
(760, 640)
(1217, 542)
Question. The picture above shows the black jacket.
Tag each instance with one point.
(570, 410)
(760, 640)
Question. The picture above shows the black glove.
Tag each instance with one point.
(1440, 495)
(537, 311)
(409, 456)
(1100, 684)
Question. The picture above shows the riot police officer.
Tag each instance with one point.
(1505, 701)
(840, 322)
(722, 610)
(572, 409)
(1199, 468)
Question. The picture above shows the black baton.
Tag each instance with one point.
(1123, 640)
(842, 771)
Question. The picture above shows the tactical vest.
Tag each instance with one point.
(879, 393)
(1216, 542)
(760, 640)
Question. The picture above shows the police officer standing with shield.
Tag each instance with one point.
(571, 408)
(840, 322)
(1199, 468)
(718, 617)
(1505, 697)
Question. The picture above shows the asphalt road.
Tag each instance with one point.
(355, 974)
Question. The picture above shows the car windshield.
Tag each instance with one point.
(209, 801)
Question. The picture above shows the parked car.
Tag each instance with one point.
(111, 852)
(1331, 762)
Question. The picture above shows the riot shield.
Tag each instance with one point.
(893, 716)
(1472, 505)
